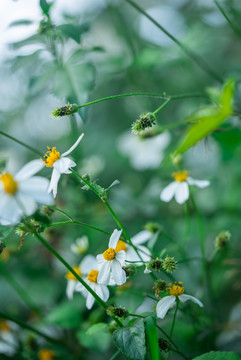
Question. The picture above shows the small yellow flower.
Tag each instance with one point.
(46, 354)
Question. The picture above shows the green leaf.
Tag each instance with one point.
(70, 31)
(20, 23)
(218, 355)
(227, 97)
(131, 341)
(96, 328)
(67, 314)
(152, 338)
(45, 6)
(94, 342)
(5, 231)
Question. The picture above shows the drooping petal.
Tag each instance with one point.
(183, 298)
(182, 192)
(66, 153)
(114, 238)
(53, 186)
(36, 187)
(141, 237)
(90, 301)
(121, 256)
(30, 169)
(168, 192)
(104, 273)
(102, 291)
(117, 272)
(63, 165)
(70, 288)
(164, 305)
(200, 183)
(88, 263)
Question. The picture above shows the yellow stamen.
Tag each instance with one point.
(121, 245)
(176, 290)
(180, 175)
(45, 354)
(9, 184)
(92, 276)
(109, 254)
(71, 276)
(51, 156)
(4, 327)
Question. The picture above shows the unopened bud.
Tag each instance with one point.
(66, 110)
(164, 345)
(169, 264)
(117, 311)
(222, 239)
(144, 122)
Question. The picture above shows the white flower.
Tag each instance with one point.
(111, 262)
(166, 303)
(100, 289)
(131, 254)
(80, 246)
(83, 269)
(20, 194)
(180, 187)
(8, 342)
(145, 153)
(60, 164)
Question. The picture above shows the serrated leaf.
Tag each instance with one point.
(131, 341)
(96, 328)
(218, 355)
(152, 337)
(20, 23)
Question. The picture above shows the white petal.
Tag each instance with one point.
(183, 298)
(164, 305)
(147, 271)
(102, 291)
(168, 192)
(141, 237)
(182, 192)
(144, 252)
(70, 288)
(29, 170)
(200, 183)
(63, 165)
(100, 259)
(66, 153)
(90, 301)
(88, 263)
(53, 186)
(10, 212)
(26, 203)
(114, 238)
(104, 273)
(121, 256)
(36, 187)
(118, 273)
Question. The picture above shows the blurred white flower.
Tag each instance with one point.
(93, 165)
(168, 302)
(180, 187)
(143, 153)
(111, 262)
(20, 194)
(137, 240)
(81, 245)
(8, 341)
(60, 164)
(83, 269)
(100, 289)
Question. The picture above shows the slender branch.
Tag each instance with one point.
(78, 223)
(21, 143)
(174, 317)
(192, 55)
(172, 342)
(115, 355)
(233, 26)
(162, 106)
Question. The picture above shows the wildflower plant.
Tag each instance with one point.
(96, 267)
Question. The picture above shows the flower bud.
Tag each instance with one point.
(155, 264)
(46, 210)
(164, 345)
(169, 264)
(222, 239)
(66, 110)
(152, 227)
(160, 286)
(130, 270)
(146, 121)
(117, 311)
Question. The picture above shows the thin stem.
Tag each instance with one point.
(174, 317)
(28, 327)
(78, 223)
(136, 315)
(21, 143)
(233, 26)
(162, 106)
(115, 355)
(180, 353)
(192, 55)
(172, 342)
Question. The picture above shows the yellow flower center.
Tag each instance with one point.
(71, 276)
(180, 175)
(176, 290)
(92, 276)
(109, 254)
(9, 184)
(4, 326)
(121, 245)
(51, 156)
(45, 354)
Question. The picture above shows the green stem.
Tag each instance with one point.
(172, 342)
(162, 106)
(28, 327)
(192, 55)
(88, 288)
(115, 355)
(21, 143)
(233, 26)
(174, 317)
(180, 353)
(78, 223)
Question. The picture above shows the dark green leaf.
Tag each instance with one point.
(218, 355)
(45, 6)
(70, 31)
(5, 231)
(20, 23)
(131, 341)
(152, 338)
(66, 315)
(96, 328)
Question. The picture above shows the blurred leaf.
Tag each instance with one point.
(218, 355)
(5, 231)
(152, 338)
(20, 23)
(96, 342)
(70, 31)
(45, 6)
(229, 140)
(115, 182)
(66, 315)
(131, 341)
(96, 328)
(34, 39)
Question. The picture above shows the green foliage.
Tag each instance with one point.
(96, 328)
(67, 314)
(218, 355)
(152, 337)
(131, 340)
(45, 6)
